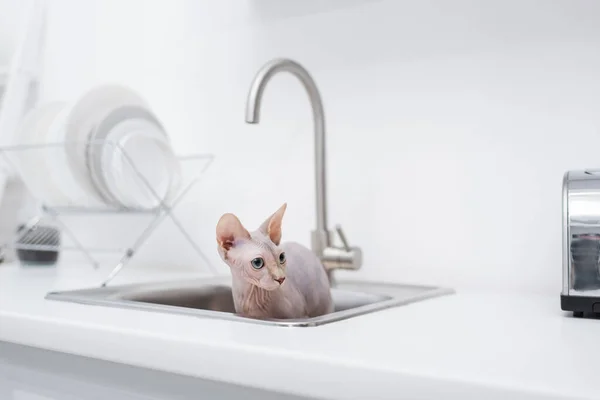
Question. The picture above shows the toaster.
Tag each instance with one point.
(581, 243)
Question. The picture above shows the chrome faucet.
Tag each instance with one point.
(332, 257)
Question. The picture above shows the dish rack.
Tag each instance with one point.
(54, 208)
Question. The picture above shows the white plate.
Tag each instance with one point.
(85, 114)
(146, 171)
(101, 138)
(75, 194)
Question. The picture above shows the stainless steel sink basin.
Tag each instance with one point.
(211, 298)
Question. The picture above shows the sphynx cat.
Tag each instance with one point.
(270, 279)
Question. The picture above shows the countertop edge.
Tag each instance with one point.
(326, 374)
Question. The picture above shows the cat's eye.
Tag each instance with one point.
(257, 263)
(282, 258)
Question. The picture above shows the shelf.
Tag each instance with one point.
(55, 210)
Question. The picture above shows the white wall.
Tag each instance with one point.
(450, 123)
(11, 19)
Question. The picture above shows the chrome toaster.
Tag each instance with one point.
(581, 242)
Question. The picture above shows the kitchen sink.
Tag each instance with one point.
(212, 298)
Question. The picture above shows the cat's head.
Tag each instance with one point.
(254, 257)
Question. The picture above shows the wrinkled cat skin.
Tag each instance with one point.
(271, 279)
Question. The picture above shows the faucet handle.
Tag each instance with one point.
(345, 257)
(340, 233)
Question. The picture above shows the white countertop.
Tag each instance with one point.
(466, 345)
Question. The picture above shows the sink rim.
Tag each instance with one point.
(104, 297)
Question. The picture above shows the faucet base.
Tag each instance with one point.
(334, 257)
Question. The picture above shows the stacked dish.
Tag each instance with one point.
(105, 148)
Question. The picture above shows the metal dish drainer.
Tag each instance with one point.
(22, 159)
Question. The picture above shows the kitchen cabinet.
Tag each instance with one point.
(34, 374)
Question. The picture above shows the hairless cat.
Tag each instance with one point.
(271, 279)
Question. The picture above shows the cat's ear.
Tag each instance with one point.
(230, 229)
(272, 225)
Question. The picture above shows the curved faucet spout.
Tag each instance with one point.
(332, 257)
(253, 107)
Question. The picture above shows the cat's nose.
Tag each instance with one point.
(280, 280)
